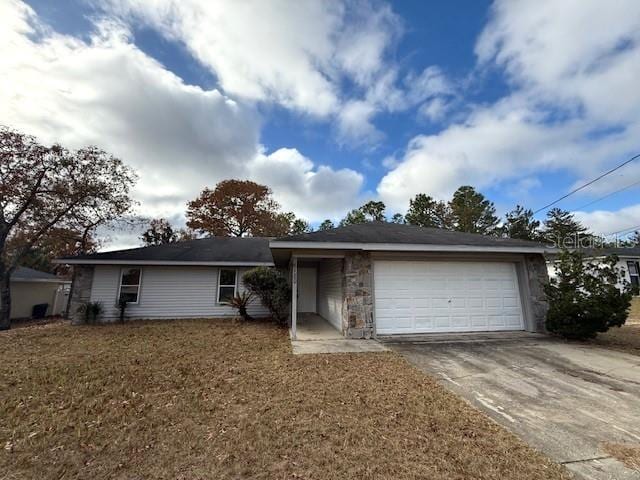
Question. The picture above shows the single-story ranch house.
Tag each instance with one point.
(366, 280)
(628, 261)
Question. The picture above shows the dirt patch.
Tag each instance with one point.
(625, 339)
(634, 313)
(627, 454)
(208, 399)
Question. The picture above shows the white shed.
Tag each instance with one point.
(31, 287)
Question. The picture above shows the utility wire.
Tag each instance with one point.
(625, 231)
(608, 195)
(575, 190)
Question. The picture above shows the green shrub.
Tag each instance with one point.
(585, 297)
(272, 288)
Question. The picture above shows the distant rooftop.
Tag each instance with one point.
(245, 250)
(25, 274)
(619, 251)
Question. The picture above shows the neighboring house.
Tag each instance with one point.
(628, 261)
(366, 280)
(31, 287)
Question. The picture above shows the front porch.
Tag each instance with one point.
(332, 294)
(315, 335)
(311, 326)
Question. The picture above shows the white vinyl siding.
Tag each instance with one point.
(169, 292)
(622, 265)
(438, 297)
(330, 291)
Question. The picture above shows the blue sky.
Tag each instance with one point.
(335, 103)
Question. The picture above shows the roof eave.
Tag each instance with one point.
(403, 247)
(88, 261)
(40, 280)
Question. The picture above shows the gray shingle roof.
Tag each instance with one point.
(250, 250)
(382, 232)
(25, 274)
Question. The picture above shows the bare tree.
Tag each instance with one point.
(48, 187)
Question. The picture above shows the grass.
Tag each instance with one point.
(625, 339)
(627, 454)
(634, 313)
(212, 400)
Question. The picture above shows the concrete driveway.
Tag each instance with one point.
(563, 399)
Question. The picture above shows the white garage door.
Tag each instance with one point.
(435, 297)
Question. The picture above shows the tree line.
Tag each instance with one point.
(245, 208)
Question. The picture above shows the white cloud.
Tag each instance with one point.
(300, 55)
(314, 194)
(490, 147)
(573, 68)
(291, 53)
(107, 92)
(580, 52)
(605, 222)
(434, 110)
(355, 123)
(180, 138)
(431, 83)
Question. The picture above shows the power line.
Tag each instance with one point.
(575, 190)
(608, 195)
(625, 231)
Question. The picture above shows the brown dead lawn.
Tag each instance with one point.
(212, 400)
(625, 339)
(634, 313)
(627, 454)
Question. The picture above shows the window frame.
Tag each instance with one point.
(636, 264)
(120, 285)
(235, 285)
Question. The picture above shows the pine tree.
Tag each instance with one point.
(398, 218)
(521, 224)
(472, 212)
(369, 212)
(326, 225)
(562, 229)
(424, 211)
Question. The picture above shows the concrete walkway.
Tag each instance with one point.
(311, 326)
(316, 335)
(566, 400)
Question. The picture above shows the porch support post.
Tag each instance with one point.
(294, 296)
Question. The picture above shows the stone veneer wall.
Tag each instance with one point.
(357, 296)
(81, 294)
(538, 276)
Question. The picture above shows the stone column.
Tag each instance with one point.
(538, 276)
(357, 296)
(81, 292)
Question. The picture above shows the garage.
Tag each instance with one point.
(446, 296)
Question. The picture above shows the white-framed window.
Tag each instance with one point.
(130, 279)
(634, 273)
(227, 284)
